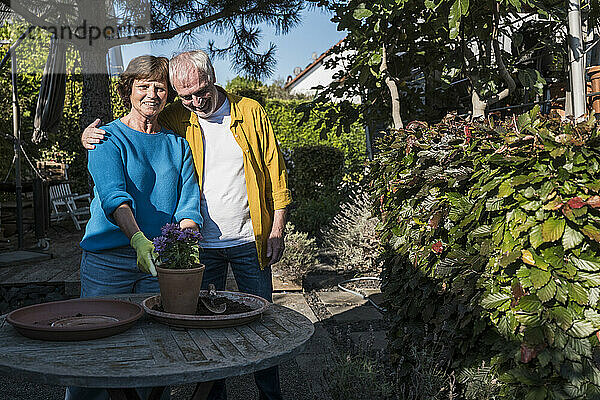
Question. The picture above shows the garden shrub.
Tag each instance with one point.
(352, 235)
(319, 159)
(481, 383)
(491, 236)
(247, 87)
(299, 257)
(315, 170)
(312, 214)
(356, 370)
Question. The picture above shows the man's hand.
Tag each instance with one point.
(92, 135)
(275, 247)
(145, 253)
(275, 243)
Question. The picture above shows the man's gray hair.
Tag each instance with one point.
(179, 66)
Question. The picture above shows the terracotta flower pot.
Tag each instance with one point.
(180, 289)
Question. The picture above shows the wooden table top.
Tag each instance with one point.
(153, 354)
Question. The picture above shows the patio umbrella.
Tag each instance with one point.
(52, 92)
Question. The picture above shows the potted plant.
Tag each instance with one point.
(178, 268)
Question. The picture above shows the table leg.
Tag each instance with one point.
(156, 393)
(131, 393)
(202, 390)
(123, 394)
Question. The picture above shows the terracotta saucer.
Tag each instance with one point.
(78, 319)
(258, 305)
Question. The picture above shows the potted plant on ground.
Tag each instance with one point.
(178, 268)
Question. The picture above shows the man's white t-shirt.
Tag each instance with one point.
(224, 201)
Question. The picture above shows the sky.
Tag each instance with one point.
(315, 34)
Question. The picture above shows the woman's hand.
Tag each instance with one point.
(144, 248)
(91, 135)
(188, 223)
(146, 255)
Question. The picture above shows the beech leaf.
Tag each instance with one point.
(576, 202)
(586, 265)
(539, 277)
(593, 201)
(552, 229)
(494, 300)
(554, 204)
(547, 292)
(527, 257)
(581, 329)
(592, 232)
(535, 236)
(577, 293)
(571, 238)
(562, 316)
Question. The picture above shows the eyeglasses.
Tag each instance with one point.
(199, 94)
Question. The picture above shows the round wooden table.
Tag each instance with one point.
(153, 354)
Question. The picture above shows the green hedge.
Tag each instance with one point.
(492, 247)
(315, 170)
(247, 87)
(315, 177)
(318, 162)
(291, 133)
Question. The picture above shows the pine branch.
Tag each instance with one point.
(173, 32)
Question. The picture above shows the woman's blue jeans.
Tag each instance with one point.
(250, 279)
(114, 272)
(111, 272)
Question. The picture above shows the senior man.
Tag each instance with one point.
(243, 182)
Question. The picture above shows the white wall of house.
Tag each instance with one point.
(308, 81)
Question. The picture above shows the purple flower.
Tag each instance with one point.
(192, 234)
(160, 244)
(182, 236)
(169, 228)
(177, 248)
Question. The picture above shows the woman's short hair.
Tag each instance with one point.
(148, 68)
(179, 66)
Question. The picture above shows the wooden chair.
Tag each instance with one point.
(64, 204)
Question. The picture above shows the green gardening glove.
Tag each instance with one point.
(145, 253)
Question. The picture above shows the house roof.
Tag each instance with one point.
(311, 66)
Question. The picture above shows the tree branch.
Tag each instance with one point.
(393, 88)
(479, 105)
(171, 33)
(510, 82)
(26, 14)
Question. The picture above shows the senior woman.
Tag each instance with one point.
(144, 178)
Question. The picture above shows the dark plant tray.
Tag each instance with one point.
(78, 319)
(256, 303)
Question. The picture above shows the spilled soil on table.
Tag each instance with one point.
(233, 307)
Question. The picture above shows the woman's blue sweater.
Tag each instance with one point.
(153, 173)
